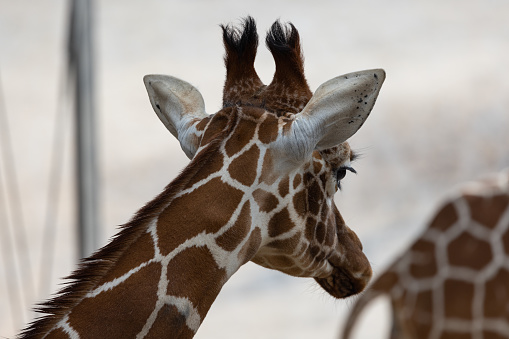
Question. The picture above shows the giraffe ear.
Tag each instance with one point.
(335, 112)
(178, 104)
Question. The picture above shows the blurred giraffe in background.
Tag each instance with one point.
(260, 186)
(453, 282)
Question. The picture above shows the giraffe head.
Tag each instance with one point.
(284, 148)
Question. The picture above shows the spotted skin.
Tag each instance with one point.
(453, 281)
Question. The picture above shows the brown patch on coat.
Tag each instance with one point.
(445, 218)
(300, 203)
(487, 334)
(194, 274)
(315, 198)
(179, 221)
(505, 240)
(317, 166)
(170, 323)
(266, 201)
(243, 168)
(458, 297)
(125, 308)
(487, 211)
(131, 259)
(268, 176)
(284, 186)
(497, 295)
(218, 123)
(203, 123)
(268, 130)
(296, 181)
(230, 239)
(452, 334)
(215, 164)
(241, 136)
(280, 223)
(468, 251)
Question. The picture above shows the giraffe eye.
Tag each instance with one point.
(341, 173)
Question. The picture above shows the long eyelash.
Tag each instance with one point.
(351, 169)
(358, 154)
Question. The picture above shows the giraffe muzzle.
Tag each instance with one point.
(343, 284)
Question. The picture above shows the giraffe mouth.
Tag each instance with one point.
(342, 284)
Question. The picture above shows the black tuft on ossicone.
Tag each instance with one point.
(283, 39)
(242, 42)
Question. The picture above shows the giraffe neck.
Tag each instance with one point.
(155, 290)
(162, 273)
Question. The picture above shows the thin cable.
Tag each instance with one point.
(12, 259)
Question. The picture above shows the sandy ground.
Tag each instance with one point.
(441, 118)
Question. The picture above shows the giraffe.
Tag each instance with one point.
(453, 281)
(259, 187)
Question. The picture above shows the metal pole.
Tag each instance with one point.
(81, 67)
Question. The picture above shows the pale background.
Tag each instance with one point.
(441, 118)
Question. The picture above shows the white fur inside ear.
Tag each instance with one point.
(339, 107)
(177, 104)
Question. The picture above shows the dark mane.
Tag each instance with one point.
(93, 268)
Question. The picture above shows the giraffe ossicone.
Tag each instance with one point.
(260, 187)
